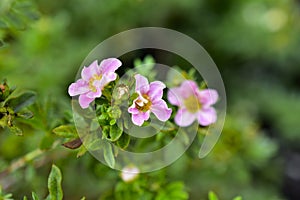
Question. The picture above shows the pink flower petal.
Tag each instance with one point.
(85, 101)
(156, 90)
(88, 72)
(133, 110)
(94, 95)
(208, 97)
(184, 118)
(138, 119)
(188, 88)
(161, 110)
(141, 84)
(110, 65)
(79, 87)
(207, 116)
(106, 79)
(175, 97)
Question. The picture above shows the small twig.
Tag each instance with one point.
(21, 162)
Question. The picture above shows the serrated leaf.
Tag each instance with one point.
(108, 154)
(66, 131)
(54, 184)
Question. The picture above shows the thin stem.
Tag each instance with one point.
(21, 162)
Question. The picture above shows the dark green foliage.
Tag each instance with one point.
(12, 107)
(16, 15)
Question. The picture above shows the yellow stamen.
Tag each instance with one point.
(192, 104)
(91, 82)
(143, 103)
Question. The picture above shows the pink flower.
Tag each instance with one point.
(149, 100)
(93, 79)
(194, 104)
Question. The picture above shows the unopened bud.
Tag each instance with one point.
(129, 173)
(121, 91)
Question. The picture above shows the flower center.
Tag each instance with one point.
(192, 104)
(96, 77)
(143, 103)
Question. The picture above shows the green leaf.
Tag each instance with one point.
(115, 132)
(34, 196)
(3, 121)
(184, 138)
(176, 191)
(133, 97)
(66, 131)
(123, 141)
(105, 132)
(81, 151)
(212, 196)
(25, 114)
(115, 112)
(95, 145)
(54, 184)
(102, 119)
(94, 125)
(25, 198)
(112, 122)
(15, 130)
(21, 100)
(126, 122)
(108, 154)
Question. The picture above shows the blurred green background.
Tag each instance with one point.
(255, 44)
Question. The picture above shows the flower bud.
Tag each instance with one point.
(121, 92)
(129, 173)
